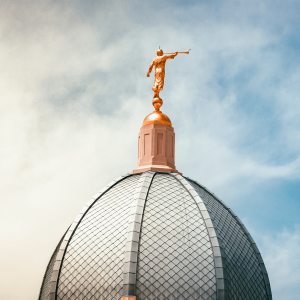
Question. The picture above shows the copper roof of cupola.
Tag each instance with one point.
(156, 234)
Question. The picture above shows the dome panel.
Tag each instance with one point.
(245, 276)
(175, 254)
(93, 263)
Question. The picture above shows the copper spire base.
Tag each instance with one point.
(156, 144)
(155, 168)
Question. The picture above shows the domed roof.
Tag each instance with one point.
(156, 236)
(157, 117)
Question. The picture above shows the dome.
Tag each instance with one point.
(156, 235)
(157, 117)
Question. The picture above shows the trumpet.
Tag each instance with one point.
(185, 52)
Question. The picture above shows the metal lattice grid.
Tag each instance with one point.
(175, 255)
(93, 263)
(243, 268)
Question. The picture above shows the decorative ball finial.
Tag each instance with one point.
(157, 103)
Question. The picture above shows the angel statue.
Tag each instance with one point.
(159, 62)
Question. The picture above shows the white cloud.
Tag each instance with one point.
(281, 256)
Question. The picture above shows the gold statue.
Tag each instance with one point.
(159, 63)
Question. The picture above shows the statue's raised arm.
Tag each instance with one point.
(172, 56)
(159, 63)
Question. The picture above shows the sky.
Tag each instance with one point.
(74, 93)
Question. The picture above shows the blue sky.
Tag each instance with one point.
(74, 93)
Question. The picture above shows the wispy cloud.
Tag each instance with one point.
(283, 263)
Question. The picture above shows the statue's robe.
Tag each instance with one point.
(159, 77)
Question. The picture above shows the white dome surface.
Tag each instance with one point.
(156, 236)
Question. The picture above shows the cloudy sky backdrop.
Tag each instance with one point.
(74, 93)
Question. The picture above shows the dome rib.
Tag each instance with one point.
(63, 245)
(218, 252)
(133, 233)
(246, 233)
(175, 255)
(45, 287)
(94, 260)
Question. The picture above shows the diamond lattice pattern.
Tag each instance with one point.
(93, 264)
(244, 273)
(175, 255)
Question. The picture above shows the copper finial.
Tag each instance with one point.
(159, 62)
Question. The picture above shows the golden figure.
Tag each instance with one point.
(159, 62)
